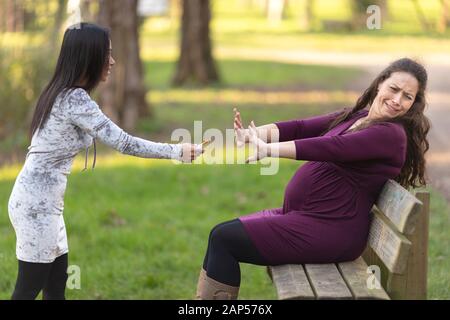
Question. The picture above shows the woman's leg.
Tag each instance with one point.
(34, 277)
(205, 260)
(31, 279)
(55, 286)
(230, 244)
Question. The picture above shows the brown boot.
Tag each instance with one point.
(210, 289)
(200, 284)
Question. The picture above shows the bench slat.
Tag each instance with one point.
(291, 282)
(355, 275)
(400, 206)
(391, 246)
(327, 282)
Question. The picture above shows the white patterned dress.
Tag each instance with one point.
(36, 203)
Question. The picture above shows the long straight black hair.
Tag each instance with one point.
(84, 55)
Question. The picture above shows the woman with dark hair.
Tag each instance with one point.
(326, 211)
(65, 122)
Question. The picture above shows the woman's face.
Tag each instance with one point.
(111, 62)
(395, 95)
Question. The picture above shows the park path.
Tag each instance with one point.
(438, 94)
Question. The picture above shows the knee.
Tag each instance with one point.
(213, 232)
(218, 236)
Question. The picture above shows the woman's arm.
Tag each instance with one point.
(285, 130)
(305, 128)
(267, 133)
(263, 149)
(86, 114)
(377, 142)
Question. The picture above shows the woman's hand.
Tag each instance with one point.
(190, 152)
(241, 134)
(262, 148)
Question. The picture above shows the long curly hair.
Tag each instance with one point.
(415, 123)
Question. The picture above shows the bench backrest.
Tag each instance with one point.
(395, 237)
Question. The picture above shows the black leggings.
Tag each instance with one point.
(34, 277)
(228, 245)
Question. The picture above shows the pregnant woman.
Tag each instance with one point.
(326, 211)
(65, 122)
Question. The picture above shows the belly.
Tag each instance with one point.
(320, 187)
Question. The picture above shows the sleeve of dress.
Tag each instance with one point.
(305, 128)
(86, 114)
(386, 141)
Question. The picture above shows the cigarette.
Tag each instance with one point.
(206, 142)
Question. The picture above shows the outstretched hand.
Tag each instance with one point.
(240, 133)
(261, 147)
(191, 152)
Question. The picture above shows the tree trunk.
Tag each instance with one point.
(2, 16)
(421, 16)
(307, 17)
(276, 10)
(59, 20)
(443, 21)
(14, 12)
(87, 11)
(9, 16)
(123, 96)
(359, 12)
(196, 61)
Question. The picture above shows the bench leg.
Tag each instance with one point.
(413, 284)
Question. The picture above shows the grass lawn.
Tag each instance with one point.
(138, 228)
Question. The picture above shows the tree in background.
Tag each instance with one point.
(444, 20)
(359, 12)
(195, 62)
(27, 63)
(30, 15)
(123, 96)
(12, 15)
(89, 10)
(307, 18)
(421, 16)
(276, 10)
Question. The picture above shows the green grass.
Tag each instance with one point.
(439, 250)
(246, 74)
(143, 232)
(138, 229)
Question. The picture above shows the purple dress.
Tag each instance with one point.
(326, 211)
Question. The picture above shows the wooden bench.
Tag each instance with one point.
(397, 248)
